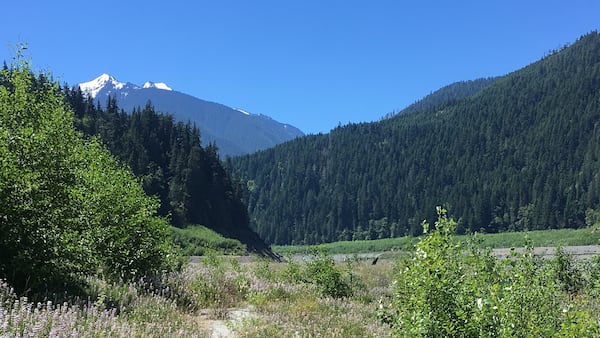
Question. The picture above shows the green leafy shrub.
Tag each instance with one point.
(69, 209)
(568, 273)
(449, 289)
(322, 271)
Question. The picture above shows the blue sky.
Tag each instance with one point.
(313, 64)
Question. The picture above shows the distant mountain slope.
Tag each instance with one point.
(233, 130)
(521, 153)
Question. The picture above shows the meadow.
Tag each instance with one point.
(539, 238)
(275, 299)
(442, 287)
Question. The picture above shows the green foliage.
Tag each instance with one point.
(493, 156)
(457, 290)
(592, 217)
(126, 238)
(35, 145)
(68, 208)
(594, 274)
(322, 271)
(568, 273)
(198, 240)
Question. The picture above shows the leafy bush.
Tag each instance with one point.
(68, 207)
(320, 269)
(449, 289)
(568, 273)
(126, 237)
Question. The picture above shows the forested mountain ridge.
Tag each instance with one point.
(193, 185)
(449, 94)
(521, 153)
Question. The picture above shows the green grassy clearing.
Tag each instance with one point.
(198, 240)
(561, 237)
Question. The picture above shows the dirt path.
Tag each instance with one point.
(222, 328)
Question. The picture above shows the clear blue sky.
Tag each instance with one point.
(311, 63)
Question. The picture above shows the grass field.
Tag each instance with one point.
(220, 297)
(562, 237)
(198, 240)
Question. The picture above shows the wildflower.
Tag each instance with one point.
(479, 303)
(421, 253)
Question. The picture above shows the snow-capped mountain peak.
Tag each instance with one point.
(93, 87)
(236, 131)
(157, 85)
(106, 84)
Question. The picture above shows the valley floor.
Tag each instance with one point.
(243, 297)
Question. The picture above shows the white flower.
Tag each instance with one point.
(421, 253)
(479, 303)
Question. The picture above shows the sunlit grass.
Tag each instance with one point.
(282, 301)
(198, 240)
(288, 309)
(560, 237)
(278, 300)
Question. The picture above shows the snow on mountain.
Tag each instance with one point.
(107, 84)
(96, 85)
(157, 85)
(242, 111)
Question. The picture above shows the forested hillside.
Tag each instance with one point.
(448, 95)
(190, 180)
(521, 153)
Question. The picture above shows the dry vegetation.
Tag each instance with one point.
(443, 288)
(253, 299)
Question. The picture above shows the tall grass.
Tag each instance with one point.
(281, 299)
(144, 315)
(323, 298)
